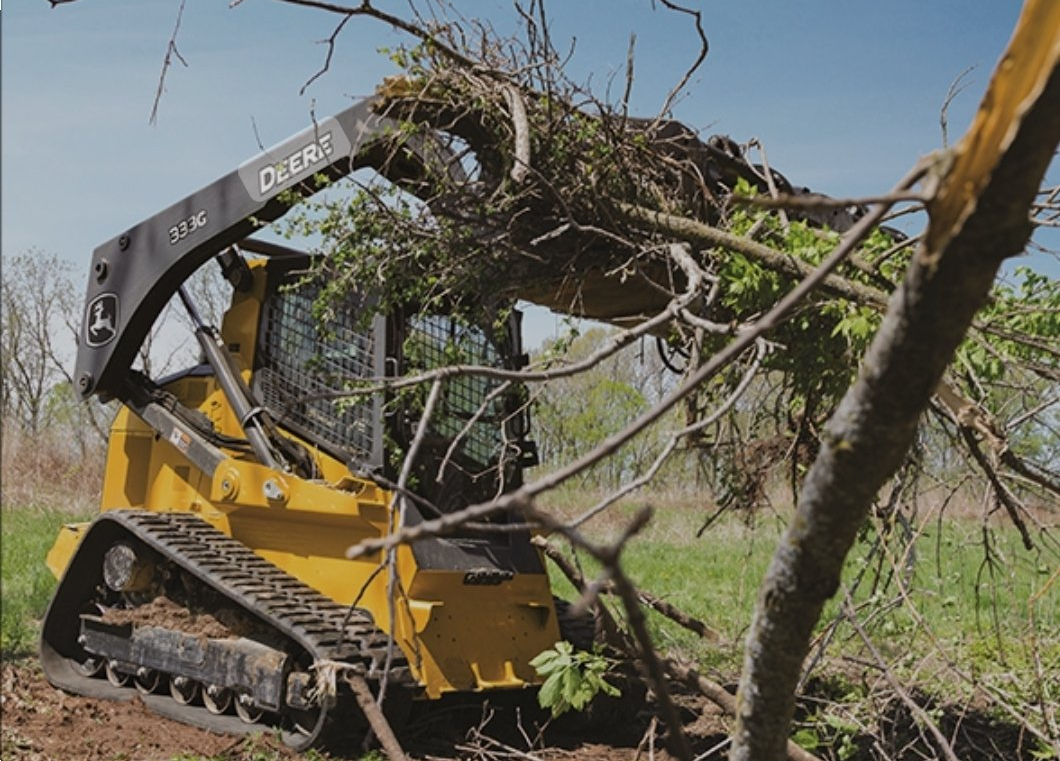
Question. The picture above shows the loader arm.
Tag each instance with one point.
(134, 274)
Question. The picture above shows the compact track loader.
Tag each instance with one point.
(215, 582)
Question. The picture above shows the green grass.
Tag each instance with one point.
(27, 535)
(979, 608)
(965, 597)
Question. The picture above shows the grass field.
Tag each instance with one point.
(28, 533)
(956, 597)
(953, 596)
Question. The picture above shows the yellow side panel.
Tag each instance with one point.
(64, 547)
(125, 481)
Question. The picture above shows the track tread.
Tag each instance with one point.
(291, 606)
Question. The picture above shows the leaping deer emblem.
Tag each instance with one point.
(102, 327)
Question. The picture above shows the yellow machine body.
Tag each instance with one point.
(456, 636)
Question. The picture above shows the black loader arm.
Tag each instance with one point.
(133, 275)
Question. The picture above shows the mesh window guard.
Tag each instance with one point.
(305, 367)
(437, 341)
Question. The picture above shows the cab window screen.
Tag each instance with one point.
(306, 367)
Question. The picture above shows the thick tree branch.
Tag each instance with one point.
(978, 219)
(705, 235)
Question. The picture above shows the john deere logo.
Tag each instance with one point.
(295, 160)
(101, 320)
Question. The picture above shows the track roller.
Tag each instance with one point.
(147, 680)
(115, 676)
(216, 699)
(183, 690)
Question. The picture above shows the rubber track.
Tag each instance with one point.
(322, 628)
(312, 620)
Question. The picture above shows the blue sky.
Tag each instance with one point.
(845, 94)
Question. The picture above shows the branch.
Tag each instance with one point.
(171, 50)
(367, 9)
(611, 631)
(522, 498)
(703, 234)
(1004, 496)
(380, 726)
(917, 711)
(699, 425)
(815, 201)
(704, 48)
(725, 700)
(517, 109)
(627, 592)
(330, 42)
(978, 218)
(659, 605)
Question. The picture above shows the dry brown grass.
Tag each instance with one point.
(49, 471)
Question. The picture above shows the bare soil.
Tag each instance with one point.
(164, 613)
(40, 723)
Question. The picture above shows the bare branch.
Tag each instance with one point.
(701, 56)
(167, 61)
(957, 86)
(330, 42)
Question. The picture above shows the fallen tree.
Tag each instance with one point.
(565, 201)
(559, 198)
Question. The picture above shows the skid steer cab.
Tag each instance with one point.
(215, 582)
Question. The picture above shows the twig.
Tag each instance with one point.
(724, 699)
(678, 742)
(380, 726)
(167, 60)
(330, 42)
(956, 87)
(367, 9)
(920, 713)
(767, 173)
(400, 502)
(704, 48)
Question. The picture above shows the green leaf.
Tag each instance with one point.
(574, 678)
(806, 739)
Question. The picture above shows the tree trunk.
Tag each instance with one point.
(978, 218)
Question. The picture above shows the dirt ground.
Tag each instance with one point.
(41, 723)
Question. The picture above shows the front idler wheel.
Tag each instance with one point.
(90, 666)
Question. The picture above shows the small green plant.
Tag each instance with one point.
(573, 678)
(1043, 752)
